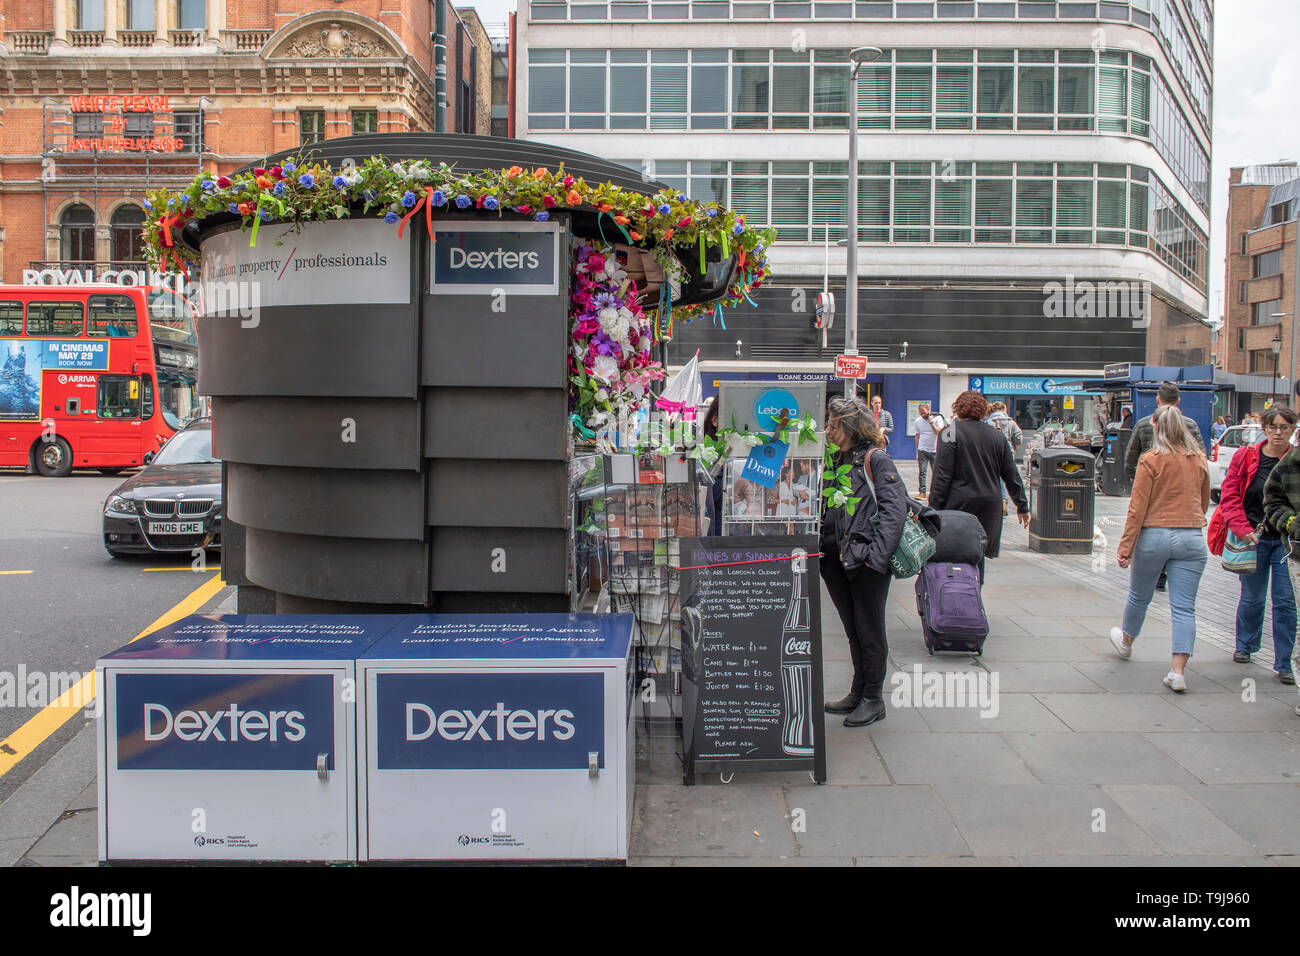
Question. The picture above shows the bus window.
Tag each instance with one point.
(112, 315)
(171, 318)
(55, 318)
(146, 397)
(178, 397)
(118, 396)
(11, 318)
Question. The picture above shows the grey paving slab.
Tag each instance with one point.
(1230, 674)
(877, 821)
(1234, 757)
(1139, 677)
(1147, 648)
(1152, 861)
(34, 807)
(952, 758)
(905, 657)
(1004, 625)
(1098, 626)
(1041, 819)
(88, 799)
(1096, 758)
(1264, 815)
(851, 753)
(1293, 860)
(1120, 713)
(739, 820)
(678, 861)
(1035, 650)
(1017, 713)
(937, 861)
(75, 836)
(1230, 712)
(1073, 609)
(1040, 677)
(1180, 824)
(1046, 625)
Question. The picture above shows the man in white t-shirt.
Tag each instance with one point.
(927, 427)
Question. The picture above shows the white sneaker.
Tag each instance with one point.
(1175, 682)
(1125, 651)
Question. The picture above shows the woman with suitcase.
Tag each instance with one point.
(856, 552)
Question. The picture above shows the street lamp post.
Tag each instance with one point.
(864, 54)
(1276, 346)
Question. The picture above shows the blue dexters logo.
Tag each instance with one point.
(489, 721)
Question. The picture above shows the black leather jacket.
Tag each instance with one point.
(851, 537)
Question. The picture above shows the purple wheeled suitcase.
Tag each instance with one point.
(952, 611)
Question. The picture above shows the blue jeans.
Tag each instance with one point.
(1270, 558)
(1182, 554)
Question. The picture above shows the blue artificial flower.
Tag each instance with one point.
(289, 168)
(232, 208)
(543, 216)
(712, 213)
(758, 248)
(148, 204)
(737, 230)
(171, 202)
(665, 209)
(370, 195)
(340, 182)
(408, 199)
(209, 184)
(278, 190)
(462, 201)
(264, 215)
(490, 202)
(307, 180)
(439, 198)
(390, 217)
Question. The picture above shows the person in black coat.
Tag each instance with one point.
(855, 556)
(972, 462)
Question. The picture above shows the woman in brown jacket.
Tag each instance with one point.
(1163, 531)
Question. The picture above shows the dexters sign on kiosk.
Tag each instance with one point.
(497, 737)
(232, 738)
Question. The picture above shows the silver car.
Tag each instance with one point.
(1221, 452)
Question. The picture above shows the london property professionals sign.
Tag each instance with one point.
(327, 263)
(485, 258)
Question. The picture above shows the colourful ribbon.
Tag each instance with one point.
(617, 225)
(701, 252)
(425, 202)
(165, 224)
(257, 215)
(718, 317)
(582, 429)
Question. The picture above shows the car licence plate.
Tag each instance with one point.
(175, 527)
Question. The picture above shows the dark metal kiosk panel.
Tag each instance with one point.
(467, 343)
(325, 502)
(491, 494)
(367, 433)
(477, 423)
(499, 559)
(338, 569)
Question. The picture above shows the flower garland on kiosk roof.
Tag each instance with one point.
(306, 190)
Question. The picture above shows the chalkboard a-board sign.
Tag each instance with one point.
(751, 655)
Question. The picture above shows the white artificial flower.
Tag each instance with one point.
(753, 441)
(602, 395)
(399, 170)
(420, 173)
(605, 368)
(838, 499)
(707, 455)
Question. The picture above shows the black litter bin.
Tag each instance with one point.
(1062, 481)
(1113, 480)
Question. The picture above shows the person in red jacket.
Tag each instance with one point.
(1242, 503)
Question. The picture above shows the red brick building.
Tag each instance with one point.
(1260, 288)
(102, 100)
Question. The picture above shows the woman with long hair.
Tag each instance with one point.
(855, 554)
(1241, 506)
(1164, 531)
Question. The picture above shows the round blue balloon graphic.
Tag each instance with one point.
(768, 406)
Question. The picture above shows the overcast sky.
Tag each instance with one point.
(1256, 98)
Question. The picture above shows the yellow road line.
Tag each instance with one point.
(15, 572)
(70, 703)
(211, 567)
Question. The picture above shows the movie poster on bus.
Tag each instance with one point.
(20, 380)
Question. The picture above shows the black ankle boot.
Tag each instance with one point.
(868, 711)
(844, 705)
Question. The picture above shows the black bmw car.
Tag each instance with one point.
(173, 503)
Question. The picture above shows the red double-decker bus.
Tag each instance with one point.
(93, 376)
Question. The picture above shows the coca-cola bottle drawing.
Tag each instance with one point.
(796, 664)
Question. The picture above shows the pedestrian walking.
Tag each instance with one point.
(1281, 505)
(855, 555)
(883, 418)
(1164, 531)
(927, 426)
(1220, 426)
(714, 510)
(970, 466)
(1004, 423)
(1242, 505)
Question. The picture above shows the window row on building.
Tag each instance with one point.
(907, 89)
(77, 234)
(1137, 11)
(183, 125)
(1178, 47)
(952, 202)
(185, 14)
(311, 124)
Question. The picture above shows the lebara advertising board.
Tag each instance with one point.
(497, 737)
(232, 737)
